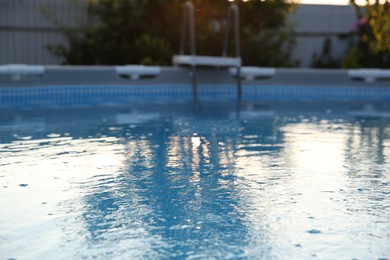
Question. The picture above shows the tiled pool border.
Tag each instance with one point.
(71, 96)
(25, 87)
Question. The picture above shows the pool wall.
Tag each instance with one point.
(82, 86)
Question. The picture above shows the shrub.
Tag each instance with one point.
(370, 41)
(148, 32)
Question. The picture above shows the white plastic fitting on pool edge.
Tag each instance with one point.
(250, 73)
(16, 71)
(369, 75)
(136, 71)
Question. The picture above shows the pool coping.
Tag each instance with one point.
(52, 75)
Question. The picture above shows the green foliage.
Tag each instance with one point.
(148, 32)
(325, 59)
(378, 17)
(351, 59)
(272, 47)
(370, 45)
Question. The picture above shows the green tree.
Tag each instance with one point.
(370, 43)
(148, 32)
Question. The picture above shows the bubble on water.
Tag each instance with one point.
(314, 231)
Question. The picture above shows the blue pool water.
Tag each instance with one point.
(172, 183)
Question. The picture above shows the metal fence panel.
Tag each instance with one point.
(27, 27)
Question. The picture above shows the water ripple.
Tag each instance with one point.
(275, 187)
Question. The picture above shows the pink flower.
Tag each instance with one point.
(358, 24)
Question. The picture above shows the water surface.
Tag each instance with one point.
(135, 184)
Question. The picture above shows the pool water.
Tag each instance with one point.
(158, 184)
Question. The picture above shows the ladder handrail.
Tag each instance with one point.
(189, 17)
(188, 12)
(233, 11)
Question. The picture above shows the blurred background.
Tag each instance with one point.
(274, 33)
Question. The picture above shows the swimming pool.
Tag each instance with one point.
(279, 178)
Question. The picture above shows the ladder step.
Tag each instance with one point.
(211, 61)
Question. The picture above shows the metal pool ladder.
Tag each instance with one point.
(194, 60)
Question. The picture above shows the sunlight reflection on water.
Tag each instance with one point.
(165, 186)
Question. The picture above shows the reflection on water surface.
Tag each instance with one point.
(271, 186)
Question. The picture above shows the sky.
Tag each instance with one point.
(329, 2)
(335, 2)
